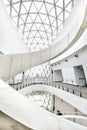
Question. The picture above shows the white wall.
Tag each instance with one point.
(10, 42)
(74, 61)
(69, 76)
(80, 77)
(85, 71)
(64, 107)
(57, 75)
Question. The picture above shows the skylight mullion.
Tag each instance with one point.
(26, 17)
(35, 18)
(63, 11)
(41, 21)
(48, 18)
(19, 13)
(56, 16)
(37, 31)
(34, 13)
(34, 35)
(10, 8)
(33, 38)
(33, 23)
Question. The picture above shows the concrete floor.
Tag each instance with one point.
(7, 123)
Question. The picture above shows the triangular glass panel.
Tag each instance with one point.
(43, 9)
(58, 10)
(26, 28)
(16, 6)
(21, 21)
(34, 33)
(67, 2)
(47, 20)
(49, 7)
(29, 20)
(19, 30)
(59, 22)
(14, 13)
(23, 10)
(15, 19)
(60, 3)
(50, 1)
(23, 17)
(33, 9)
(38, 5)
(68, 8)
(29, 26)
(38, 35)
(26, 34)
(33, 16)
(61, 16)
(27, 5)
(52, 12)
(38, 25)
(34, 27)
(31, 35)
(52, 19)
(43, 17)
(38, 19)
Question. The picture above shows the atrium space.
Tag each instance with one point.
(43, 65)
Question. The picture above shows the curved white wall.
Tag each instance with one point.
(10, 42)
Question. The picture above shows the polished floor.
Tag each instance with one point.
(7, 123)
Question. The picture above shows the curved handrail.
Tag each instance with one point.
(13, 64)
(75, 117)
(73, 100)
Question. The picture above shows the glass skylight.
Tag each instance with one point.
(39, 22)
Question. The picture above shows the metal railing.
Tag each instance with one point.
(74, 89)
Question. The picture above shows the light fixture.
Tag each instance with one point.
(66, 60)
(76, 55)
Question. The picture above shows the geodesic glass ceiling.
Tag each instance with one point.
(38, 23)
